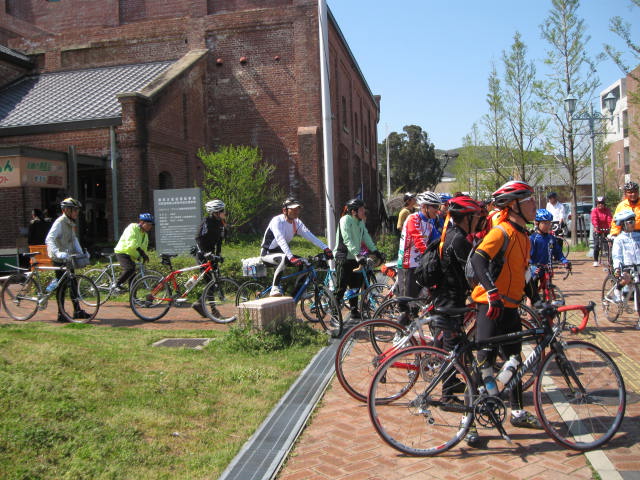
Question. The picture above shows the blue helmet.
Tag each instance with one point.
(543, 215)
(146, 217)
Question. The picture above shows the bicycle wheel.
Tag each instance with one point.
(78, 299)
(435, 414)
(580, 396)
(308, 304)
(328, 311)
(565, 247)
(103, 280)
(372, 298)
(529, 319)
(612, 299)
(250, 290)
(554, 295)
(20, 296)
(150, 299)
(390, 309)
(219, 300)
(361, 351)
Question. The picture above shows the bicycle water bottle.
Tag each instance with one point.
(52, 285)
(489, 382)
(191, 282)
(508, 369)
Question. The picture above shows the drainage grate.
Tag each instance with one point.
(197, 343)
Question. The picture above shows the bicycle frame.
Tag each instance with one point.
(171, 280)
(310, 269)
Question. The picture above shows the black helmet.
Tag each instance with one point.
(354, 204)
(70, 203)
(552, 195)
(631, 187)
(291, 202)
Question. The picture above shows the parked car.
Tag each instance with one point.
(584, 211)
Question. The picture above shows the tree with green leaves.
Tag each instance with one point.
(239, 177)
(414, 166)
(572, 72)
(494, 121)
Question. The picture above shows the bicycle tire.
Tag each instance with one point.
(20, 296)
(150, 299)
(328, 312)
(103, 280)
(361, 351)
(446, 416)
(390, 309)
(250, 290)
(372, 298)
(586, 419)
(611, 307)
(566, 247)
(220, 293)
(87, 299)
(308, 304)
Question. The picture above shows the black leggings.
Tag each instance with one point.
(508, 322)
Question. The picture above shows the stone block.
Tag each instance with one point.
(266, 313)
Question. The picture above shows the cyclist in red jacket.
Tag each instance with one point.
(601, 221)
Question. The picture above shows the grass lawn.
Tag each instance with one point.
(87, 402)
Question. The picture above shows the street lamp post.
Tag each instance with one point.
(591, 117)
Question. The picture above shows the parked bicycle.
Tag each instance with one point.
(561, 232)
(622, 294)
(315, 298)
(105, 278)
(579, 394)
(23, 293)
(152, 297)
(604, 246)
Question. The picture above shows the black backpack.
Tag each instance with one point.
(429, 272)
(495, 266)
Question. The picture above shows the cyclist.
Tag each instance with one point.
(630, 202)
(131, 247)
(626, 248)
(498, 294)
(350, 236)
(275, 243)
(557, 209)
(418, 231)
(452, 291)
(601, 221)
(408, 208)
(542, 243)
(62, 241)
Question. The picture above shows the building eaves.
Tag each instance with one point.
(72, 99)
(13, 56)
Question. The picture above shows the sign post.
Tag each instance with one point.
(178, 214)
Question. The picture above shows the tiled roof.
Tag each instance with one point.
(73, 96)
(14, 54)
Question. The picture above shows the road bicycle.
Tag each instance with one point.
(547, 290)
(579, 394)
(365, 346)
(105, 278)
(560, 232)
(77, 296)
(315, 298)
(152, 297)
(622, 294)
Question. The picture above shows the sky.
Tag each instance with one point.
(430, 60)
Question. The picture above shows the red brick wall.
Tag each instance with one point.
(64, 14)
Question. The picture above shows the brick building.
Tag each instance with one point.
(119, 95)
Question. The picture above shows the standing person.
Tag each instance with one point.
(630, 202)
(62, 241)
(408, 208)
(498, 293)
(625, 250)
(350, 235)
(452, 291)
(418, 231)
(38, 228)
(556, 208)
(275, 243)
(131, 247)
(601, 220)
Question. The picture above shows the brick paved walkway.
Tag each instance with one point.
(340, 443)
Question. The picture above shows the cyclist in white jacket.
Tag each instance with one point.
(275, 243)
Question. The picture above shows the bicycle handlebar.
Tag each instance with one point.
(549, 311)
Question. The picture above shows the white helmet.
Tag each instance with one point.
(214, 206)
(429, 198)
(623, 216)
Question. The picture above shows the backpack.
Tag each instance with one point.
(429, 272)
(495, 266)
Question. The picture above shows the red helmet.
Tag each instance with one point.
(513, 190)
(463, 204)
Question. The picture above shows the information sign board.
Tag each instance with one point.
(178, 215)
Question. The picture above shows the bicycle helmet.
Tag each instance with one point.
(408, 196)
(291, 202)
(354, 204)
(70, 203)
(429, 198)
(600, 200)
(623, 216)
(543, 215)
(552, 195)
(146, 217)
(513, 190)
(464, 204)
(630, 187)
(214, 206)
(445, 197)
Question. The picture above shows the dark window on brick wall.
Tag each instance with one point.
(345, 123)
(165, 181)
